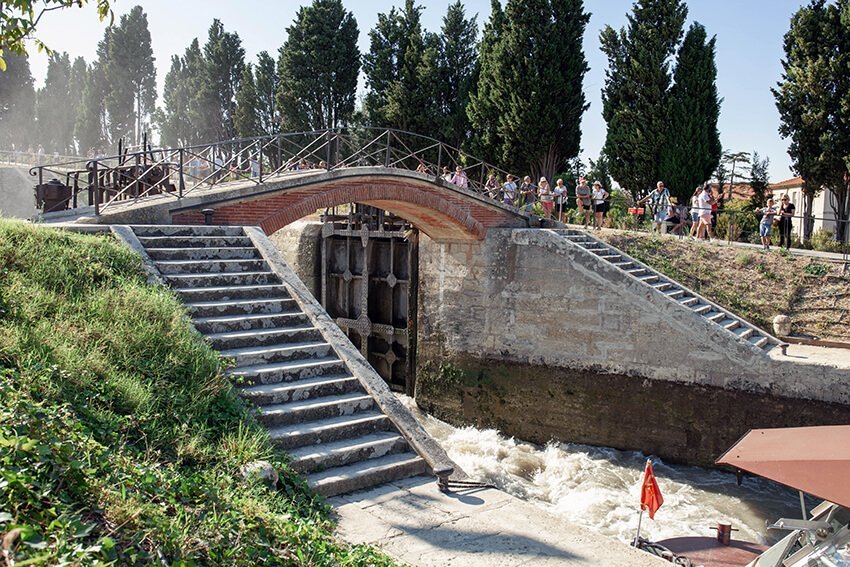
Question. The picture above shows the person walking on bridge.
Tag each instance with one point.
(583, 201)
(547, 199)
(509, 192)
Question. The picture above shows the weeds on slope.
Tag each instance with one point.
(120, 439)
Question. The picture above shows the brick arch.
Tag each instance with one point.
(440, 212)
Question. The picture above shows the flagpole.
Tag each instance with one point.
(640, 516)
(637, 535)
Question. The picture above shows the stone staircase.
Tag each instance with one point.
(284, 362)
(673, 291)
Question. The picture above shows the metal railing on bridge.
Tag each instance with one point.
(105, 181)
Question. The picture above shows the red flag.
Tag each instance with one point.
(650, 496)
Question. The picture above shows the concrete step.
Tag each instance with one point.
(258, 337)
(674, 293)
(203, 309)
(340, 453)
(220, 253)
(611, 257)
(715, 317)
(232, 292)
(194, 241)
(291, 371)
(760, 341)
(152, 230)
(169, 267)
(367, 473)
(316, 387)
(624, 265)
(328, 430)
(253, 356)
(648, 279)
(663, 286)
(231, 323)
(702, 309)
(689, 301)
(222, 279)
(730, 324)
(744, 332)
(315, 409)
(597, 251)
(637, 272)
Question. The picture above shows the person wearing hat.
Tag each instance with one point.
(547, 198)
(600, 204)
(583, 201)
(659, 202)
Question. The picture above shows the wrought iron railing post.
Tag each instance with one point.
(387, 158)
(328, 149)
(439, 159)
(181, 181)
(260, 160)
(96, 177)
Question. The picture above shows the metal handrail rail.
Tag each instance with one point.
(179, 171)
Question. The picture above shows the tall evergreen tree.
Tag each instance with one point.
(246, 119)
(759, 181)
(318, 67)
(635, 95)
(88, 128)
(457, 72)
(533, 82)
(186, 115)
(266, 79)
(225, 60)
(55, 124)
(691, 151)
(483, 107)
(814, 104)
(132, 75)
(17, 103)
(398, 75)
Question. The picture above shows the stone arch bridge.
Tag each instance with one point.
(273, 181)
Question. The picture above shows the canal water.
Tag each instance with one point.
(599, 488)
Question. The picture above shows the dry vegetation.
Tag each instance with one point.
(755, 284)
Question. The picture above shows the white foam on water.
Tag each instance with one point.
(599, 488)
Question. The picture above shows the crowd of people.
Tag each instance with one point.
(698, 218)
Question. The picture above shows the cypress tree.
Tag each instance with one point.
(483, 107)
(457, 68)
(399, 72)
(130, 76)
(17, 103)
(691, 150)
(635, 95)
(266, 80)
(533, 83)
(246, 120)
(55, 125)
(318, 67)
(224, 60)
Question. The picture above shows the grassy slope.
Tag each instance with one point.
(754, 284)
(120, 440)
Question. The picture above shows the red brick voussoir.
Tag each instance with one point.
(440, 212)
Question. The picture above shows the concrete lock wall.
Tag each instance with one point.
(525, 333)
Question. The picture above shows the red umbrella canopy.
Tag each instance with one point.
(815, 460)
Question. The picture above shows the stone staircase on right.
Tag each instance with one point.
(673, 291)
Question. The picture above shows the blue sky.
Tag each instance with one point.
(749, 49)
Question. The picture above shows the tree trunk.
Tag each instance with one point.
(808, 221)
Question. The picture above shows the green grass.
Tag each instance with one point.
(120, 439)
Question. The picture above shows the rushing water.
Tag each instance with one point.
(599, 487)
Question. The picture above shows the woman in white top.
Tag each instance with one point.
(599, 197)
(547, 199)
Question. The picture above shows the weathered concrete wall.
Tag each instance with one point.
(523, 332)
(301, 246)
(16, 193)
